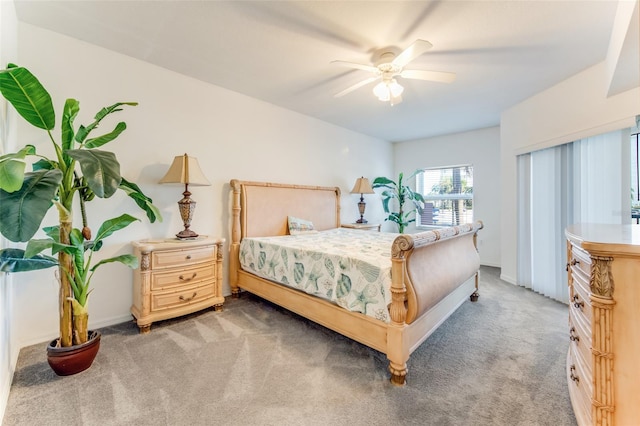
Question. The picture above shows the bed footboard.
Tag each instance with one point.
(429, 269)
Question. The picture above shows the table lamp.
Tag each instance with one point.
(362, 186)
(186, 170)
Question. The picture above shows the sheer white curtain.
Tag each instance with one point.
(584, 181)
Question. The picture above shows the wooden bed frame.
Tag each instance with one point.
(433, 272)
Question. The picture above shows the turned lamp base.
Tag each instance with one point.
(186, 207)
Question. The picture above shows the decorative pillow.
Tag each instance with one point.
(300, 226)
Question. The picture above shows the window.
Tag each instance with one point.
(635, 177)
(448, 195)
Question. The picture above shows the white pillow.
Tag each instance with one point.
(299, 226)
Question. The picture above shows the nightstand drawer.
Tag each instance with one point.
(181, 258)
(182, 277)
(167, 300)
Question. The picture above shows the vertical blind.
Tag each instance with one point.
(583, 181)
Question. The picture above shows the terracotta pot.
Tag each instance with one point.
(73, 359)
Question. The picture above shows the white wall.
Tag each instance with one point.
(8, 349)
(575, 108)
(233, 136)
(480, 148)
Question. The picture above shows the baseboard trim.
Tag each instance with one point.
(5, 387)
(46, 338)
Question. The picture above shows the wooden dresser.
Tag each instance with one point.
(175, 278)
(603, 363)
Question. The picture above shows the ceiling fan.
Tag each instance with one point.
(389, 66)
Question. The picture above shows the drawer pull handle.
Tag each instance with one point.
(573, 263)
(186, 299)
(188, 279)
(188, 256)
(575, 378)
(572, 336)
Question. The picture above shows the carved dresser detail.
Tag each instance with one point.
(604, 323)
(175, 278)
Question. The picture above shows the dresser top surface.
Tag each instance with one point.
(176, 243)
(605, 237)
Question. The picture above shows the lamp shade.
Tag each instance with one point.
(362, 186)
(185, 170)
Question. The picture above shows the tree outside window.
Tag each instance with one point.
(448, 195)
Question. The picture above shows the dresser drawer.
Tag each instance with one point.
(580, 302)
(181, 297)
(581, 260)
(580, 343)
(181, 258)
(182, 277)
(580, 387)
(580, 338)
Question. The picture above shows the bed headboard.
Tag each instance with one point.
(261, 209)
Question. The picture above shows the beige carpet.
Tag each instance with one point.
(499, 361)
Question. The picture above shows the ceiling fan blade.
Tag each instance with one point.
(410, 53)
(356, 66)
(439, 76)
(356, 86)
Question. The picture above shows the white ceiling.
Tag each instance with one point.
(280, 51)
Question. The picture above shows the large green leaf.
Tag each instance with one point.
(22, 211)
(144, 202)
(101, 140)
(32, 101)
(13, 260)
(112, 225)
(12, 168)
(71, 109)
(126, 259)
(37, 246)
(83, 131)
(100, 168)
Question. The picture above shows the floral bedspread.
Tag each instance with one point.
(351, 268)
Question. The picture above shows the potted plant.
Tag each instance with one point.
(78, 173)
(402, 193)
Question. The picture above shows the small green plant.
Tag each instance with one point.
(79, 171)
(402, 193)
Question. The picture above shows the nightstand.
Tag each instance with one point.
(176, 277)
(362, 226)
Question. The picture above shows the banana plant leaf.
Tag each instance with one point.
(110, 226)
(127, 259)
(22, 211)
(32, 101)
(83, 131)
(100, 168)
(13, 260)
(12, 168)
(144, 202)
(71, 109)
(101, 140)
(37, 246)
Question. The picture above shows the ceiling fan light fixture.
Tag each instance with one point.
(381, 90)
(385, 90)
(395, 88)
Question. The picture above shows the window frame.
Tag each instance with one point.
(419, 185)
